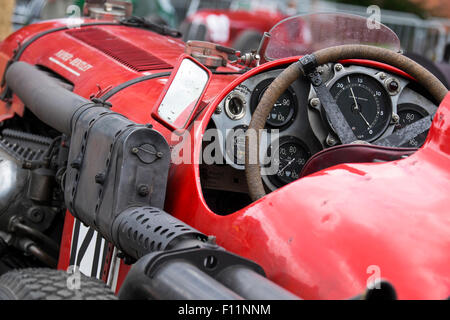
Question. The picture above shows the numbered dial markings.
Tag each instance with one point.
(288, 160)
(365, 105)
(409, 113)
(283, 110)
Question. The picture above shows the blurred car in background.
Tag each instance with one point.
(31, 11)
(240, 26)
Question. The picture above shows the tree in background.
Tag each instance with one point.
(396, 5)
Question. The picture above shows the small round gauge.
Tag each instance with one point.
(409, 113)
(234, 107)
(364, 103)
(235, 144)
(288, 160)
(283, 110)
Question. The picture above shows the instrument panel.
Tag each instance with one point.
(374, 103)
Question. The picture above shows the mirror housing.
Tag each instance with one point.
(182, 94)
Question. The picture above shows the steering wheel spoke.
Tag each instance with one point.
(334, 113)
(403, 135)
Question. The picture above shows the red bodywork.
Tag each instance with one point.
(259, 20)
(321, 237)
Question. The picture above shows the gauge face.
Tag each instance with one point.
(283, 110)
(409, 113)
(288, 160)
(235, 144)
(364, 103)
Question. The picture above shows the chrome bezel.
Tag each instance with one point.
(241, 98)
(377, 75)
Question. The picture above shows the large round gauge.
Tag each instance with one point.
(287, 160)
(364, 103)
(409, 113)
(283, 110)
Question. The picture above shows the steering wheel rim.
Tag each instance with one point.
(333, 54)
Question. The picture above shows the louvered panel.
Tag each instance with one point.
(126, 53)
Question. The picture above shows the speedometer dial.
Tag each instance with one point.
(364, 103)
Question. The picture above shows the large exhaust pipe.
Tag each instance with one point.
(51, 103)
(169, 281)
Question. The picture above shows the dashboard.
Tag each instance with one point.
(374, 102)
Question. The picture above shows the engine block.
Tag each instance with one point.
(26, 188)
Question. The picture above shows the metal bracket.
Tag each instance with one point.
(403, 135)
(211, 259)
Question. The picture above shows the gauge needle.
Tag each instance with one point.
(364, 118)
(357, 108)
(289, 163)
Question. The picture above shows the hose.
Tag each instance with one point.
(16, 226)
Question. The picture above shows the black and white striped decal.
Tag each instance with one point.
(88, 250)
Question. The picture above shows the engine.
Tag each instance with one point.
(30, 201)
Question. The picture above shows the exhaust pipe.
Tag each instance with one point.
(177, 262)
(50, 102)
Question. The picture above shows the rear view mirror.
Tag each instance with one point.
(183, 93)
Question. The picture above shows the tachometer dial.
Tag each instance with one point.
(364, 103)
(409, 113)
(283, 110)
(288, 160)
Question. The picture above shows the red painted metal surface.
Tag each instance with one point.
(320, 245)
(319, 236)
(86, 82)
(66, 241)
(123, 270)
(123, 51)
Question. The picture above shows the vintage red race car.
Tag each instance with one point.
(317, 168)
